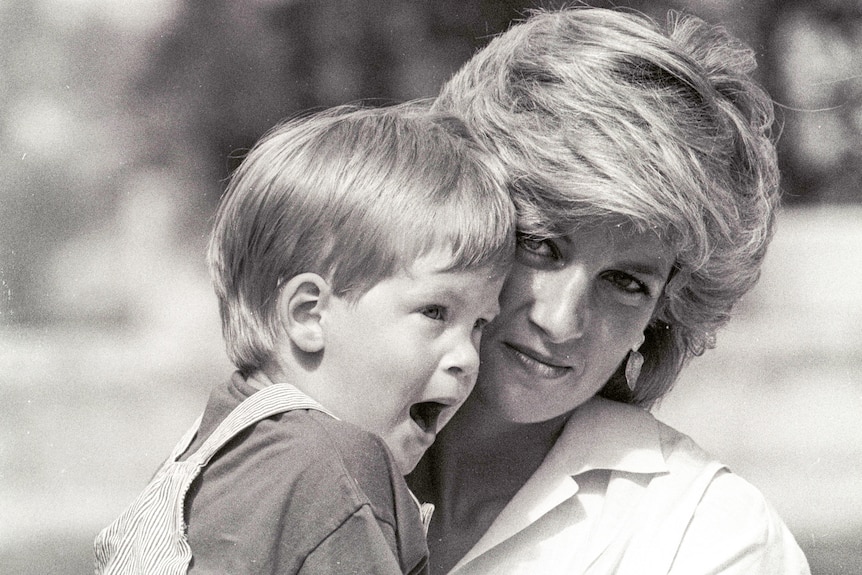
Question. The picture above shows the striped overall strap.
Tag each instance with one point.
(150, 536)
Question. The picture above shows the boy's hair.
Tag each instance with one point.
(602, 116)
(355, 195)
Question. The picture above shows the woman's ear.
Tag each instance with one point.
(301, 301)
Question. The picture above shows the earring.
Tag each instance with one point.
(633, 368)
(634, 363)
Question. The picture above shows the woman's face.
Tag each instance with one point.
(571, 309)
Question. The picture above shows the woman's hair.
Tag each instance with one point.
(600, 116)
(354, 195)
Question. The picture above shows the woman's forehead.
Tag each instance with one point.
(623, 242)
(616, 230)
(621, 235)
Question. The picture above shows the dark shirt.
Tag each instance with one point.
(300, 492)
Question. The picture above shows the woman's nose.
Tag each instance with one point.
(560, 305)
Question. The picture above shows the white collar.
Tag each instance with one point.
(605, 434)
(600, 434)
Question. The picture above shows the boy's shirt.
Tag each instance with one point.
(278, 487)
(299, 492)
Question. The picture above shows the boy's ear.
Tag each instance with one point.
(300, 304)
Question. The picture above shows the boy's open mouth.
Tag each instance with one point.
(425, 414)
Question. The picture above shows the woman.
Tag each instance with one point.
(646, 182)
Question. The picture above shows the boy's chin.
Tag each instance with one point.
(407, 461)
(407, 464)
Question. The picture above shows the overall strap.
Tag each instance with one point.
(149, 537)
(184, 443)
(273, 399)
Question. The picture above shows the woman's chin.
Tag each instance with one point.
(519, 407)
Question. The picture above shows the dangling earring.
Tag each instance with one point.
(634, 363)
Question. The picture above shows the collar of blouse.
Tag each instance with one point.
(600, 434)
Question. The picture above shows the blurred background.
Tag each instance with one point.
(120, 119)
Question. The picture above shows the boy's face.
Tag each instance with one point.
(403, 357)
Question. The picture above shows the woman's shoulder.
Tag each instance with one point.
(715, 490)
(725, 522)
(681, 451)
(734, 529)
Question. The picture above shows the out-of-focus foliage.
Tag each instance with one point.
(816, 52)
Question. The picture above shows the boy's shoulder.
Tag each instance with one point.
(310, 450)
(300, 467)
(333, 442)
(296, 438)
(302, 451)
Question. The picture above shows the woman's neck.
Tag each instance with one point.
(486, 434)
(481, 458)
(478, 463)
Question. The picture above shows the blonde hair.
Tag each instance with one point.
(602, 116)
(355, 195)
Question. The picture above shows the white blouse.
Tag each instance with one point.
(622, 493)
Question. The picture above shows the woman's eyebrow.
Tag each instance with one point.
(652, 268)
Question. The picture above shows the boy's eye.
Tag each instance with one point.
(435, 312)
(480, 323)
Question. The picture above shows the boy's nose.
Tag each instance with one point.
(463, 360)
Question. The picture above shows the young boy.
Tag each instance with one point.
(356, 255)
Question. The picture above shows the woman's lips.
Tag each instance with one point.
(537, 363)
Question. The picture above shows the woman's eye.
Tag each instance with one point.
(435, 312)
(627, 283)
